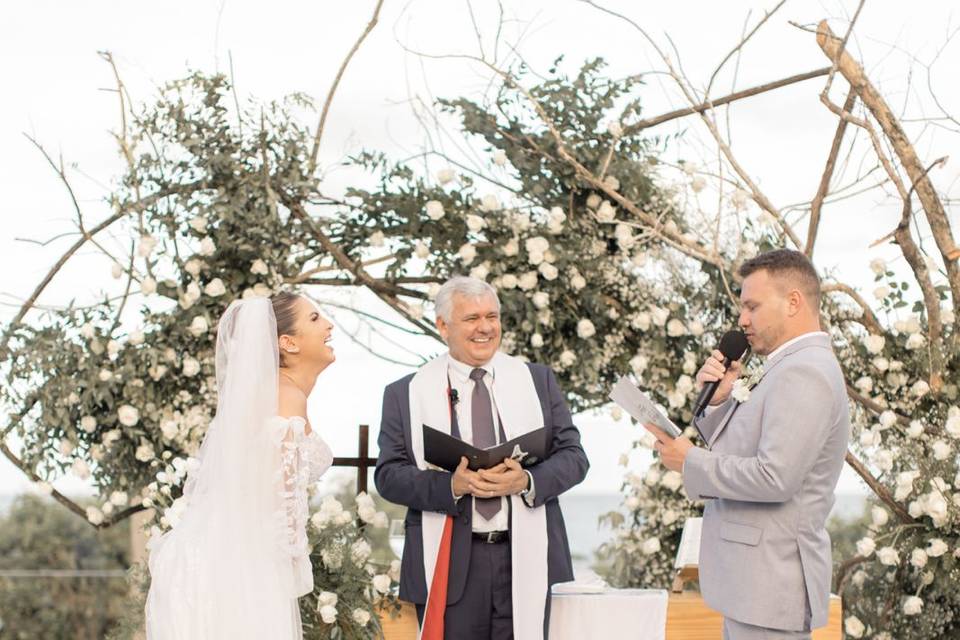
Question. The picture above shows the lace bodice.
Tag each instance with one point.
(303, 459)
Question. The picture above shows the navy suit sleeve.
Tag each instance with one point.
(397, 477)
(566, 465)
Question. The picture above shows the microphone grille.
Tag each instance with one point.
(733, 344)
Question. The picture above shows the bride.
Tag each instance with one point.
(238, 559)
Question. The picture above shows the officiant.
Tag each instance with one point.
(482, 548)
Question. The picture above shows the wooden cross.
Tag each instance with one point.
(363, 462)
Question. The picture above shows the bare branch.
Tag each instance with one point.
(336, 82)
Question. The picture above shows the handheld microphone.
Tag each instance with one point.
(733, 346)
(454, 397)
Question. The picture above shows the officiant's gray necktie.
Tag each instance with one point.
(484, 436)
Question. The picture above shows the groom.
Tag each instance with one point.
(482, 548)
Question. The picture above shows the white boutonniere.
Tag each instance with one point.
(743, 386)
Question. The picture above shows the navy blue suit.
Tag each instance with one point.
(398, 480)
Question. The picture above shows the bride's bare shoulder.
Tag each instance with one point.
(292, 401)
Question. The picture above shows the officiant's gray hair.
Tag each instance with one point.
(464, 286)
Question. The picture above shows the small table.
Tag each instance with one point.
(639, 614)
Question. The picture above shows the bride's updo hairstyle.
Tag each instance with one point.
(284, 309)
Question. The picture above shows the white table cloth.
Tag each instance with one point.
(610, 614)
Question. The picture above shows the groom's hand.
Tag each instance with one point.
(505, 479)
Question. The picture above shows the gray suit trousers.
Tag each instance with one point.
(733, 630)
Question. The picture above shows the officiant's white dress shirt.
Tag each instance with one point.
(461, 382)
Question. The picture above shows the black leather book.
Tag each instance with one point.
(443, 450)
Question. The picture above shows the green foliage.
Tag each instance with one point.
(36, 534)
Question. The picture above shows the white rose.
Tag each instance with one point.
(881, 364)
(105, 375)
(879, 516)
(528, 280)
(651, 546)
(947, 316)
(639, 363)
(915, 341)
(853, 627)
(952, 426)
(740, 391)
(116, 271)
(884, 460)
(696, 328)
(541, 299)
(360, 550)
(193, 266)
(119, 498)
(377, 239)
(467, 253)
(593, 200)
(94, 515)
(191, 367)
(421, 250)
(537, 244)
(207, 247)
(489, 203)
(198, 224)
(446, 175)
(259, 267)
(549, 271)
(675, 328)
(866, 547)
(199, 326)
(614, 128)
(912, 606)
(128, 415)
(512, 248)
(146, 246)
(585, 329)
(606, 212)
(80, 469)
(88, 424)
(616, 413)
(328, 614)
(145, 453)
(499, 157)
(381, 582)
(361, 617)
(327, 599)
(915, 430)
(536, 341)
(148, 286)
(936, 548)
(568, 358)
(698, 184)
(509, 281)
(672, 480)
(918, 558)
(941, 450)
(888, 556)
(874, 343)
(887, 419)
(878, 266)
(434, 209)
(578, 282)
(215, 288)
(659, 316)
(481, 271)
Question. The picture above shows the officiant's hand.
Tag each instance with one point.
(464, 479)
(673, 451)
(505, 479)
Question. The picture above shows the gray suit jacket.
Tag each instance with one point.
(400, 481)
(769, 478)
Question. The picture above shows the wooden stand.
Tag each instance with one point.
(688, 618)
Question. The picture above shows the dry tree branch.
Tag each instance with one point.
(932, 206)
(878, 488)
(824, 189)
(743, 41)
(336, 82)
(869, 319)
(733, 97)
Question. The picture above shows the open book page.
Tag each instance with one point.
(636, 403)
(688, 553)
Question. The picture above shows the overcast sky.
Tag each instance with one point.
(53, 82)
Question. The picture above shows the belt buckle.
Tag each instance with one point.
(490, 537)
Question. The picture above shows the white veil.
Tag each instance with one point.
(220, 573)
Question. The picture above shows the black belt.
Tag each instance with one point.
(491, 537)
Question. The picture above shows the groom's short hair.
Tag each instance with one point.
(464, 286)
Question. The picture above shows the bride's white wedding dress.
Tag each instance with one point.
(238, 558)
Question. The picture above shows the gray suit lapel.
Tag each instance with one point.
(811, 341)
